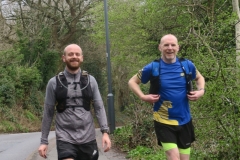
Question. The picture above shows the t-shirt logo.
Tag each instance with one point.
(182, 74)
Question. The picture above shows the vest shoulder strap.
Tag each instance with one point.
(84, 73)
(183, 62)
(155, 77)
(185, 65)
(61, 79)
(155, 67)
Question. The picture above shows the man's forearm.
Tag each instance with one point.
(46, 123)
(201, 83)
(133, 84)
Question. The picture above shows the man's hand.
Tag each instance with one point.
(151, 98)
(42, 150)
(106, 142)
(195, 95)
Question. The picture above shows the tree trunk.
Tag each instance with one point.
(235, 4)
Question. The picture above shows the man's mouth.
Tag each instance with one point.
(74, 61)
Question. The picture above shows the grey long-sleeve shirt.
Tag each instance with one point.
(75, 126)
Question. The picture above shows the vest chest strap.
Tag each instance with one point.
(73, 107)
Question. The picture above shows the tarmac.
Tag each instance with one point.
(112, 154)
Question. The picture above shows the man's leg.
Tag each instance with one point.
(66, 151)
(186, 137)
(171, 151)
(166, 136)
(175, 153)
(172, 154)
(88, 151)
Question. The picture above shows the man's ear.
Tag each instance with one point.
(82, 58)
(63, 58)
(159, 48)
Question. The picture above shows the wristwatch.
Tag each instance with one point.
(105, 131)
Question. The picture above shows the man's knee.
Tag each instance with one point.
(173, 154)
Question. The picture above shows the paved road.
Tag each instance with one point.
(19, 146)
(52, 154)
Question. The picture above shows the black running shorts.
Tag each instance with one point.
(87, 151)
(183, 135)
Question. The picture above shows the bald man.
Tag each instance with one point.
(72, 92)
(170, 95)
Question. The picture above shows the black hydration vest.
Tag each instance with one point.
(155, 85)
(62, 90)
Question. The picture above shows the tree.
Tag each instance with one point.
(235, 5)
(42, 28)
(64, 17)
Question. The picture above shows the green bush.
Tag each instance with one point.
(48, 65)
(7, 92)
(122, 138)
(37, 53)
(29, 115)
(145, 153)
(7, 126)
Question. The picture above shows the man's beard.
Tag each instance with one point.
(71, 67)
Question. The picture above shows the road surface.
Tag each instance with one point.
(20, 146)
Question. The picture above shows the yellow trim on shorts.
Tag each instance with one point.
(168, 146)
(185, 151)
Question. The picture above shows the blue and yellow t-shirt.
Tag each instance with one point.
(173, 106)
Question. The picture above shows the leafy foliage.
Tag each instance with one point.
(122, 138)
(36, 52)
(7, 91)
(141, 153)
(19, 85)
